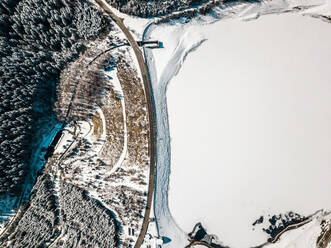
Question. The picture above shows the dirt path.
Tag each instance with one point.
(151, 115)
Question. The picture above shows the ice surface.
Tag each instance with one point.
(250, 131)
(165, 64)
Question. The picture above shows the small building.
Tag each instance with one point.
(151, 43)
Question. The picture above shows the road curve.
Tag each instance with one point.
(151, 114)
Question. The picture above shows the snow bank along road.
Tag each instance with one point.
(149, 98)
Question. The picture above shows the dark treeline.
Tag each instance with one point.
(147, 8)
(37, 40)
(81, 219)
(279, 222)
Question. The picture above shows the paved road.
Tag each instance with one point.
(151, 113)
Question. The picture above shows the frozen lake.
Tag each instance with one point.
(250, 126)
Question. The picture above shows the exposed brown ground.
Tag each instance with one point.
(130, 203)
(82, 86)
(136, 114)
(151, 115)
(137, 120)
(112, 110)
(97, 125)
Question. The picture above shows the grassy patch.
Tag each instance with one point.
(97, 123)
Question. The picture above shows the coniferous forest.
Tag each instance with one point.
(37, 40)
(145, 8)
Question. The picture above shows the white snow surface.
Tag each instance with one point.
(171, 59)
(250, 133)
(180, 38)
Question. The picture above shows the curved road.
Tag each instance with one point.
(151, 114)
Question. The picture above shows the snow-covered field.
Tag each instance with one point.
(250, 117)
(241, 94)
